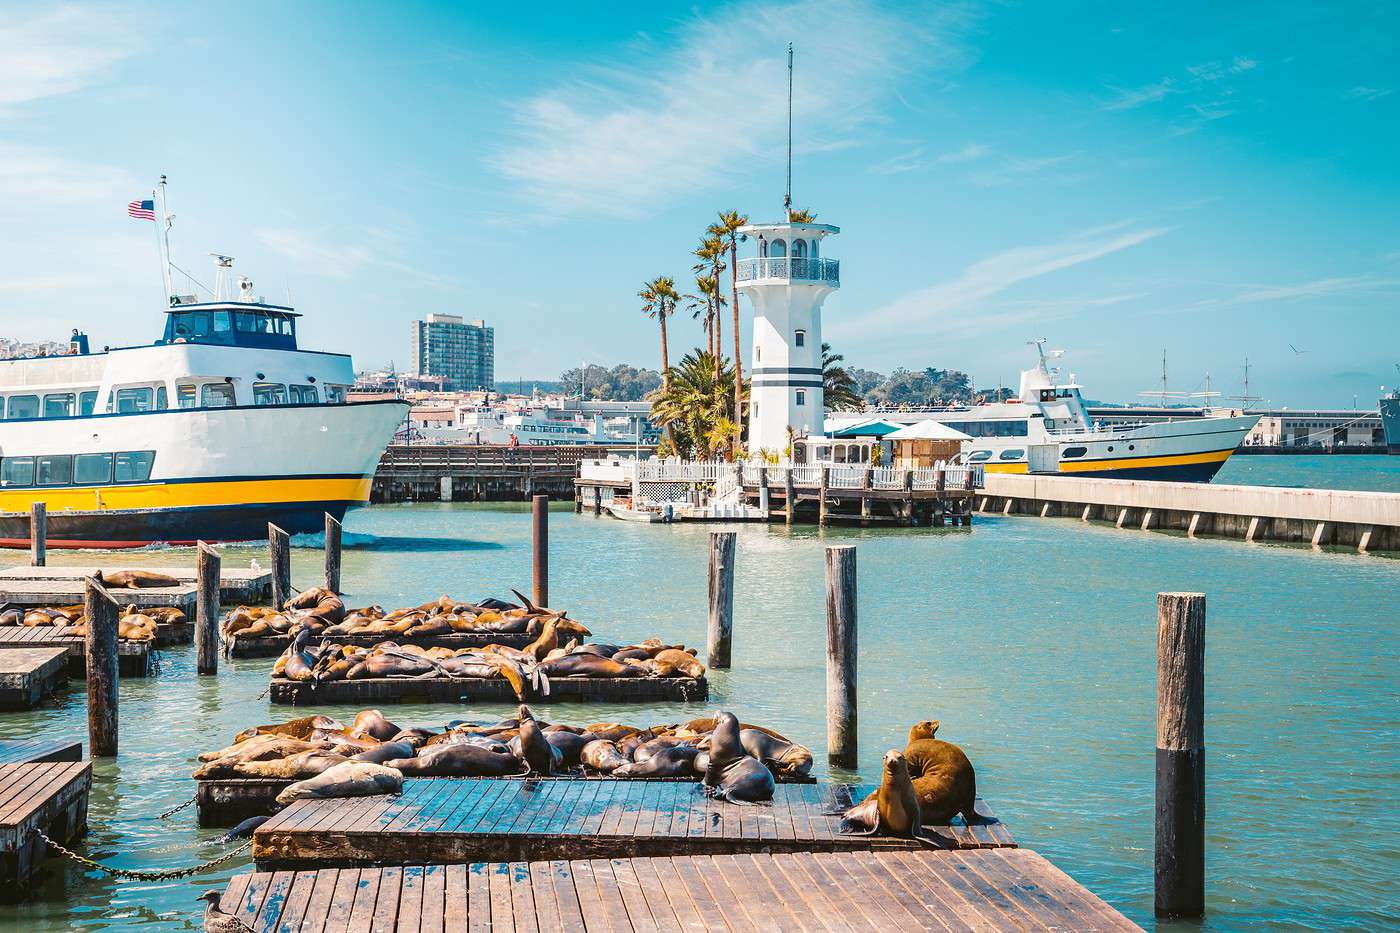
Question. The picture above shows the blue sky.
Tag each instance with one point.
(1120, 180)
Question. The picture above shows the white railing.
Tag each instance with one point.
(720, 475)
(804, 269)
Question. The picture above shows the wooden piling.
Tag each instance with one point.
(721, 630)
(821, 495)
(279, 546)
(333, 534)
(539, 511)
(866, 481)
(765, 503)
(38, 534)
(206, 618)
(909, 497)
(790, 489)
(100, 658)
(841, 655)
(1179, 861)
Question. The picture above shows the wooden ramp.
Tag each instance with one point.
(32, 751)
(467, 820)
(235, 585)
(995, 889)
(374, 690)
(133, 657)
(28, 676)
(61, 592)
(268, 646)
(50, 797)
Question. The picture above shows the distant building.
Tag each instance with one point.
(462, 355)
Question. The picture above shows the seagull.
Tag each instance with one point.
(216, 920)
(1296, 350)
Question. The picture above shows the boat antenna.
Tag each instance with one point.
(167, 219)
(787, 197)
(1164, 377)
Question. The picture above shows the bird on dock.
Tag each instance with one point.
(217, 920)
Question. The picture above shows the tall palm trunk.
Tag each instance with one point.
(665, 356)
(738, 361)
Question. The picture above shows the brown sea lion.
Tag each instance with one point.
(135, 579)
(944, 778)
(547, 641)
(893, 809)
(732, 774)
(11, 616)
(587, 665)
(385, 751)
(682, 661)
(457, 761)
(293, 728)
(299, 660)
(534, 749)
(294, 767)
(371, 722)
(785, 759)
(348, 779)
(569, 744)
(258, 748)
(602, 756)
(704, 726)
(674, 761)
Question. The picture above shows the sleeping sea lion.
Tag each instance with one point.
(569, 744)
(601, 756)
(385, 751)
(371, 722)
(135, 579)
(295, 767)
(457, 760)
(349, 779)
(786, 759)
(673, 761)
(893, 809)
(732, 774)
(587, 665)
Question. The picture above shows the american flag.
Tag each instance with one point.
(142, 210)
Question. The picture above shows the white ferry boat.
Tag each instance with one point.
(218, 427)
(1047, 429)
(544, 424)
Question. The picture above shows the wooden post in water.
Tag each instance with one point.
(764, 503)
(539, 511)
(841, 655)
(940, 487)
(1179, 864)
(821, 495)
(279, 546)
(791, 492)
(100, 648)
(721, 630)
(206, 616)
(909, 497)
(333, 530)
(38, 534)
(866, 481)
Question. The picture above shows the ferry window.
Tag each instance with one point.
(269, 393)
(1013, 453)
(92, 469)
(87, 402)
(1071, 452)
(800, 338)
(55, 470)
(302, 395)
(801, 397)
(17, 471)
(977, 456)
(216, 395)
(1010, 428)
(222, 322)
(335, 395)
(59, 405)
(134, 466)
(129, 400)
(162, 400)
(23, 406)
(185, 396)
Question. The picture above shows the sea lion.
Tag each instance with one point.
(785, 759)
(674, 761)
(534, 749)
(569, 744)
(371, 722)
(944, 779)
(456, 760)
(894, 808)
(587, 665)
(135, 579)
(682, 661)
(300, 660)
(601, 756)
(349, 779)
(384, 751)
(258, 748)
(733, 775)
(705, 726)
(11, 616)
(301, 765)
(414, 737)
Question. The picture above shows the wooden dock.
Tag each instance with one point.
(34, 751)
(477, 472)
(998, 889)
(28, 676)
(457, 820)
(269, 646)
(51, 797)
(235, 585)
(133, 657)
(374, 690)
(70, 593)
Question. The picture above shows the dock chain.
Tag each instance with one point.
(174, 810)
(137, 874)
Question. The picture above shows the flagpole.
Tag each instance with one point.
(165, 220)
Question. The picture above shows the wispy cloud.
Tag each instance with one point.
(1013, 171)
(342, 261)
(1367, 94)
(1316, 288)
(969, 153)
(937, 307)
(47, 51)
(1210, 79)
(918, 158)
(1129, 98)
(683, 111)
(38, 176)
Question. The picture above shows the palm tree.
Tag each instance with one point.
(727, 229)
(702, 307)
(710, 252)
(801, 215)
(838, 388)
(695, 403)
(659, 298)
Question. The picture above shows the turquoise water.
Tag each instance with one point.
(1032, 640)
(1374, 473)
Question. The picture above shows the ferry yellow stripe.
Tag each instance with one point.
(188, 495)
(1005, 467)
(1134, 463)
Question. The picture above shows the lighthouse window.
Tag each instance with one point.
(23, 406)
(799, 338)
(134, 466)
(56, 470)
(816, 248)
(777, 249)
(59, 405)
(92, 469)
(799, 249)
(17, 471)
(801, 397)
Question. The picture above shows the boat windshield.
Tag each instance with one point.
(268, 329)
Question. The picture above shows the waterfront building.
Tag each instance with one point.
(786, 284)
(460, 354)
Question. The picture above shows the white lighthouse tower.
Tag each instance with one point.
(786, 282)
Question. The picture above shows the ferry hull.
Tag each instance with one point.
(130, 528)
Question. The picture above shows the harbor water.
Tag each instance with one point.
(1033, 641)
(1366, 472)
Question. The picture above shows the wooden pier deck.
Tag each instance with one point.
(34, 751)
(51, 797)
(133, 657)
(373, 690)
(70, 593)
(236, 585)
(30, 675)
(269, 646)
(998, 889)
(457, 820)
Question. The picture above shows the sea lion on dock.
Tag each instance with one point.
(299, 660)
(457, 760)
(698, 727)
(682, 661)
(348, 779)
(385, 751)
(894, 808)
(292, 728)
(569, 744)
(787, 759)
(533, 748)
(293, 767)
(602, 756)
(371, 722)
(732, 774)
(588, 665)
(944, 778)
(672, 761)
(134, 579)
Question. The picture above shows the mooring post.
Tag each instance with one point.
(100, 647)
(279, 546)
(333, 530)
(909, 496)
(940, 485)
(821, 495)
(38, 534)
(206, 615)
(764, 503)
(841, 655)
(597, 500)
(1179, 865)
(578, 491)
(866, 481)
(721, 631)
(790, 490)
(539, 510)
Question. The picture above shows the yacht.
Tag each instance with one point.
(543, 423)
(216, 428)
(1390, 417)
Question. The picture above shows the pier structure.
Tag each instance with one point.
(477, 472)
(1364, 521)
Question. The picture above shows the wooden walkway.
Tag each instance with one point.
(486, 690)
(269, 646)
(52, 797)
(235, 585)
(28, 676)
(133, 657)
(32, 751)
(466, 820)
(998, 889)
(70, 593)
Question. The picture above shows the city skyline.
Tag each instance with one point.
(1215, 186)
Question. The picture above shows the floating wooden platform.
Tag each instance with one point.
(1001, 889)
(133, 657)
(33, 751)
(269, 646)
(235, 585)
(29, 675)
(52, 797)
(230, 801)
(467, 819)
(481, 689)
(70, 593)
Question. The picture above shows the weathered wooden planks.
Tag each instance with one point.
(51, 797)
(495, 689)
(63, 592)
(133, 657)
(268, 646)
(236, 585)
(29, 675)
(464, 820)
(33, 751)
(1002, 889)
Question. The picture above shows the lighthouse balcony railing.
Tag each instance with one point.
(790, 269)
